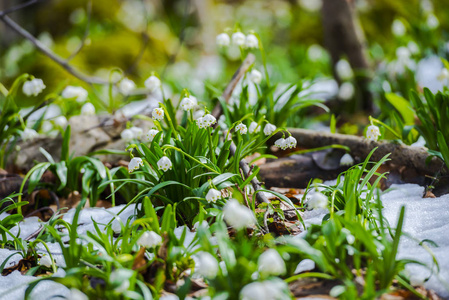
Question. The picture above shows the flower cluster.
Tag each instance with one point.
(187, 103)
(289, 142)
(131, 133)
(33, 87)
(206, 121)
(75, 92)
(238, 39)
(372, 133)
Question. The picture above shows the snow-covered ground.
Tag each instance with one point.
(424, 219)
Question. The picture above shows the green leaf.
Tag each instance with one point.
(403, 107)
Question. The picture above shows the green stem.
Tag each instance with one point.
(191, 157)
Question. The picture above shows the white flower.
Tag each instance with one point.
(137, 132)
(152, 83)
(432, 21)
(158, 113)
(149, 239)
(398, 28)
(251, 41)
(151, 134)
(45, 261)
(273, 289)
(116, 226)
(343, 69)
(76, 294)
(305, 265)
(346, 91)
(255, 76)
(372, 133)
(413, 47)
(134, 164)
(88, 109)
(120, 279)
(241, 128)
(187, 104)
(75, 92)
(194, 100)
(213, 195)
(318, 200)
(290, 142)
(29, 134)
(223, 40)
(238, 39)
(444, 75)
(238, 216)
(281, 143)
(206, 121)
(164, 164)
(254, 127)
(271, 263)
(346, 160)
(200, 123)
(33, 87)
(127, 135)
(60, 121)
(269, 129)
(126, 86)
(207, 265)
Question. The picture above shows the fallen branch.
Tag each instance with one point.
(401, 155)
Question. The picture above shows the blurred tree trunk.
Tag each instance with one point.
(343, 37)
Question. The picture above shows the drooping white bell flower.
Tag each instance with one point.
(29, 134)
(271, 263)
(213, 195)
(127, 135)
(241, 128)
(223, 40)
(372, 133)
(126, 86)
(207, 265)
(432, 21)
(88, 109)
(75, 92)
(255, 76)
(251, 41)
(398, 28)
(151, 134)
(346, 91)
(290, 142)
(346, 160)
(237, 215)
(209, 120)
(149, 239)
(254, 127)
(269, 129)
(116, 226)
(281, 143)
(318, 200)
(60, 121)
(164, 164)
(45, 261)
(152, 83)
(187, 104)
(275, 288)
(238, 39)
(137, 132)
(344, 70)
(33, 87)
(158, 113)
(134, 164)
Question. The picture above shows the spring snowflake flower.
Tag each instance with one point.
(137, 132)
(158, 113)
(238, 39)
(444, 75)
(206, 121)
(127, 135)
(237, 215)
(164, 164)
(77, 92)
(126, 86)
(254, 127)
(251, 41)
(33, 87)
(187, 104)
(281, 143)
(271, 263)
(223, 40)
(207, 265)
(346, 160)
(213, 195)
(255, 76)
(398, 28)
(318, 200)
(273, 289)
(372, 133)
(152, 83)
(45, 261)
(432, 21)
(149, 239)
(290, 142)
(269, 129)
(116, 226)
(346, 91)
(29, 134)
(134, 164)
(60, 121)
(241, 128)
(344, 70)
(88, 109)
(151, 134)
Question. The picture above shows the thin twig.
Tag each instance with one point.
(18, 7)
